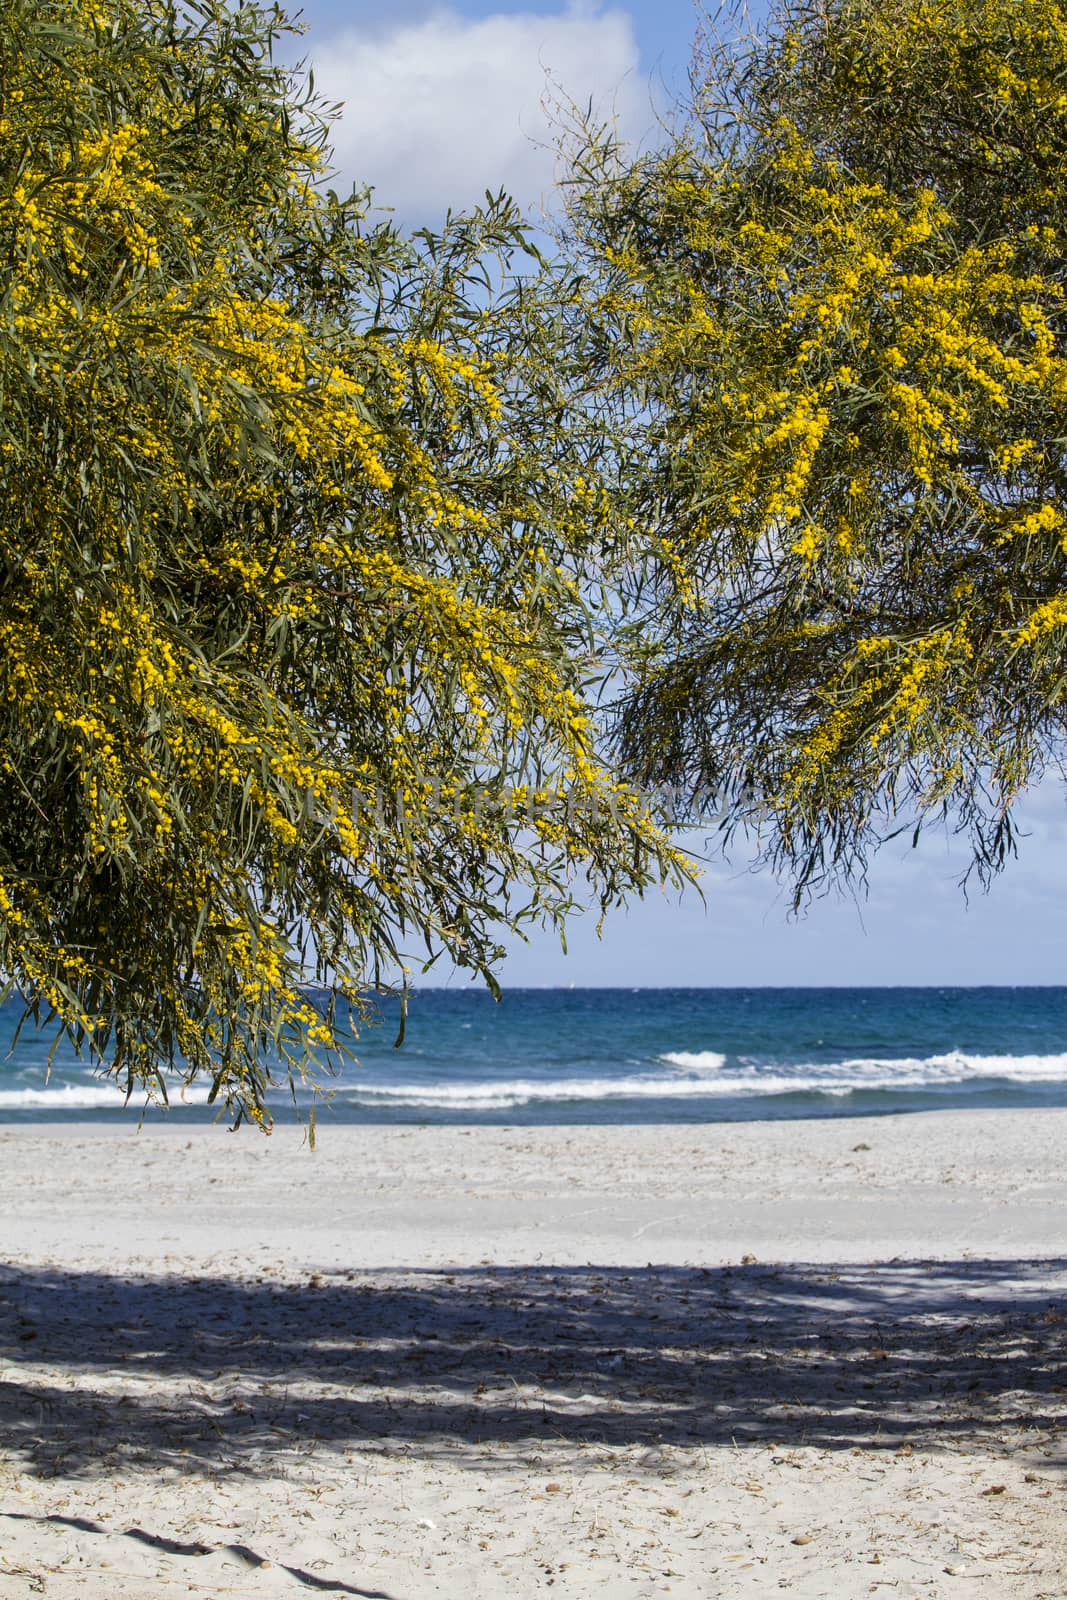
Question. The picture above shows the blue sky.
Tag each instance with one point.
(443, 101)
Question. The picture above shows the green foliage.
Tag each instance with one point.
(295, 517)
(830, 314)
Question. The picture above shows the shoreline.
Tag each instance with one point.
(508, 1361)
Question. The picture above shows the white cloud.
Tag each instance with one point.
(438, 110)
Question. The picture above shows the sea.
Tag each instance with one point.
(543, 1056)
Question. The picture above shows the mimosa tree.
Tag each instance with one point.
(294, 637)
(830, 316)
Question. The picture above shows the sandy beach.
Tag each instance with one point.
(820, 1358)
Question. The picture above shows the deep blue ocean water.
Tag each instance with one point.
(639, 1055)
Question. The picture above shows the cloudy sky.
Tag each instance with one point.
(442, 102)
(445, 101)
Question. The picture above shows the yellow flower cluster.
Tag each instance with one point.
(835, 304)
(289, 570)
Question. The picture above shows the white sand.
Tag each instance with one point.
(481, 1363)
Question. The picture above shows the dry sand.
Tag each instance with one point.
(499, 1362)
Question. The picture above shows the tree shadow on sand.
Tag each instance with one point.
(227, 1374)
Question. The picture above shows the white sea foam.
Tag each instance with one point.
(1019, 1069)
(85, 1097)
(517, 1092)
(695, 1060)
(693, 1075)
(708, 1078)
(879, 1072)
(957, 1066)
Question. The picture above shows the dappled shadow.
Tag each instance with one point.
(241, 1553)
(155, 1541)
(229, 1374)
